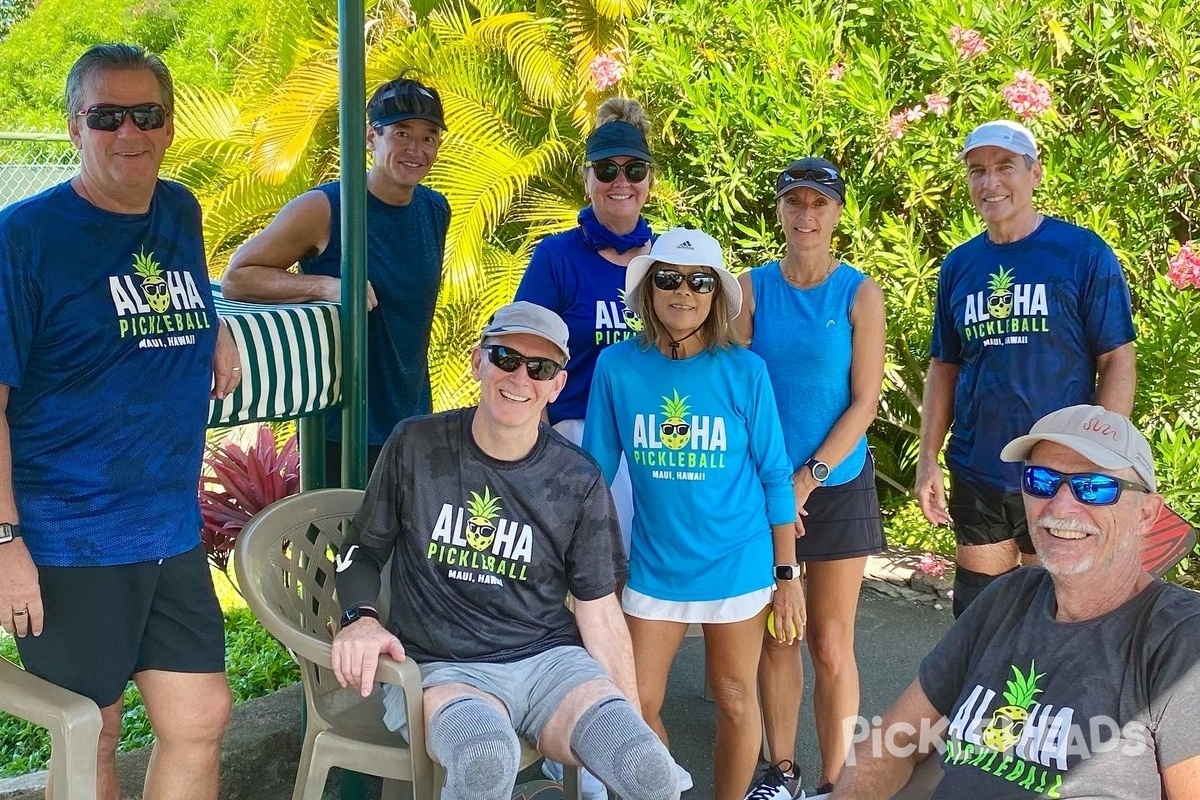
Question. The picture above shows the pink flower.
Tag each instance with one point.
(897, 124)
(606, 70)
(932, 565)
(1027, 96)
(837, 71)
(938, 104)
(1184, 269)
(913, 114)
(968, 41)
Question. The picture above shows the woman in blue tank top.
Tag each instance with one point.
(819, 325)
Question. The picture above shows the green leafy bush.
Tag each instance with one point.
(256, 664)
(888, 90)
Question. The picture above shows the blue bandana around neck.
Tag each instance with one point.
(599, 237)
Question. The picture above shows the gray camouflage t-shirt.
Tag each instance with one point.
(1042, 708)
(483, 551)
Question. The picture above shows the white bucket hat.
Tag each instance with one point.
(683, 247)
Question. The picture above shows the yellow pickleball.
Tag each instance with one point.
(771, 626)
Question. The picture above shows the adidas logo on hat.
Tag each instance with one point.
(684, 245)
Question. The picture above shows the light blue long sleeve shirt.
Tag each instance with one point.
(707, 461)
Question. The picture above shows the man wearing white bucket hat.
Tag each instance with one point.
(1078, 680)
(714, 521)
(1032, 315)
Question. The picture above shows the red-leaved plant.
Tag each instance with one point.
(244, 482)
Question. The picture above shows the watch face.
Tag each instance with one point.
(6, 532)
(820, 471)
(785, 572)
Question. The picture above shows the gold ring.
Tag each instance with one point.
(20, 613)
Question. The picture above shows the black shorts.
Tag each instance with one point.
(333, 462)
(843, 521)
(986, 516)
(105, 624)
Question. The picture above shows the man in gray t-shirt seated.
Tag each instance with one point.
(490, 518)
(1081, 679)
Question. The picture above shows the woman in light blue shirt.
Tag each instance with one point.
(694, 416)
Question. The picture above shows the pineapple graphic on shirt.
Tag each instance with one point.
(1008, 722)
(154, 288)
(1000, 301)
(673, 431)
(632, 320)
(481, 530)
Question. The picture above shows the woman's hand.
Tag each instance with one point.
(802, 485)
(790, 612)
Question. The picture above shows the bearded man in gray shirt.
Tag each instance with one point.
(490, 518)
(1079, 680)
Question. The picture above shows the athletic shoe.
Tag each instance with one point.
(685, 778)
(777, 782)
(593, 789)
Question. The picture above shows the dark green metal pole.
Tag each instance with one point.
(352, 138)
(312, 451)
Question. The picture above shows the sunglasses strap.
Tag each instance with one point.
(675, 345)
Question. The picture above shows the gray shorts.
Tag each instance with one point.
(531, 689)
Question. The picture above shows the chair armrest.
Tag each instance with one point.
(31, 698)
(407, 676)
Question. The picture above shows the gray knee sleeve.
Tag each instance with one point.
(478, 748)
(617, 746)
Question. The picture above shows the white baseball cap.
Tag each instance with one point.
(1107, 439)
(1005, 134)
(683, 247)
(525, 317)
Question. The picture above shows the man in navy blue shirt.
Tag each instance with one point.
(1032, 315)
(110, 348)
(406, 241)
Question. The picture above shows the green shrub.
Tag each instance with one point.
(741, 87)
(256, 664)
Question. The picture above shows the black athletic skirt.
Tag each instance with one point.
(843, 521)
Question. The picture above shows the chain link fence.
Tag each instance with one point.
(31, 162)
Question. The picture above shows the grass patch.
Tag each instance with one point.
(256, 664)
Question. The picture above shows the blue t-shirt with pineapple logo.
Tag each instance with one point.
(708, 465)
(1025, 322)
(107, 335)
(587, 290)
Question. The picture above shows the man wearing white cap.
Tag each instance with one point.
(490, 518)
(1078, 680)
(1032, 315)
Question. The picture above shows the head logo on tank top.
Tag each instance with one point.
(477, 544)
(1026, 742)
(682, 446)
(615, 322)
(1008, 313)
(160, 308)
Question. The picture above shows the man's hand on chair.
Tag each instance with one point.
(356, 651)
(20, 594)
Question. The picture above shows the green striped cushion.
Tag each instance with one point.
(291, 359)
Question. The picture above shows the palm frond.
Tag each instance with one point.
(305, 101)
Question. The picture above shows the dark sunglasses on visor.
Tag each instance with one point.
(507, 359)
(1089, 488)
(105, 117)
(670, 279)
(825, 176)
(607, 171)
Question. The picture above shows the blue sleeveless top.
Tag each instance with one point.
(806, 339)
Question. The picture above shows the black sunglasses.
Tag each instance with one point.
(1089, 488)
(106, 117)
(607, 171)
(507, 359)
(826, 176)
(670, 279)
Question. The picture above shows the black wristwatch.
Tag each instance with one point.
(819, 470)
(787, 572)
(353, 615)
(9, 531)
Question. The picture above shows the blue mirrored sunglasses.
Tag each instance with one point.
(1089, 488)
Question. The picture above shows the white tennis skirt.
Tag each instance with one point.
(730, 609)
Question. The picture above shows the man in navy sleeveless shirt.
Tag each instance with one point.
(1032, 315)
(109, 342)
(406, 241)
